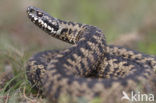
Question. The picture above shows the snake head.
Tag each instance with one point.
(43, 20)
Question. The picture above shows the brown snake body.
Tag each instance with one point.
(89, 68)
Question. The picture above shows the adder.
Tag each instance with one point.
(90, 68)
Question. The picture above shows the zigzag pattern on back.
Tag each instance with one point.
(90, 67)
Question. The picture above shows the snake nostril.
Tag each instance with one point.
(30, 9)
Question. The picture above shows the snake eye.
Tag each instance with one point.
(39, 14)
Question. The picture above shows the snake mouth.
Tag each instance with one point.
(43, 20)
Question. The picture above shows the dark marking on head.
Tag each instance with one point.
(55, 27)
(64, 30)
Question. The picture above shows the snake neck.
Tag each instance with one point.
(88, 52)
(70, 32)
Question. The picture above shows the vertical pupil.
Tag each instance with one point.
(39, 14)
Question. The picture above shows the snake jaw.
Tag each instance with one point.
(43, 20)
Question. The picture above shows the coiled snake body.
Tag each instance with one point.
(89, 68)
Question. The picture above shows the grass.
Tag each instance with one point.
(18, 88)
(14, 57)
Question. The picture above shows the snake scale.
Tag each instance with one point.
(90, 68)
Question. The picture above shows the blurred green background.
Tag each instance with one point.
(130, 23)
(114, 18)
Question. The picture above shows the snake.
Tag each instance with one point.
(90, 68)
